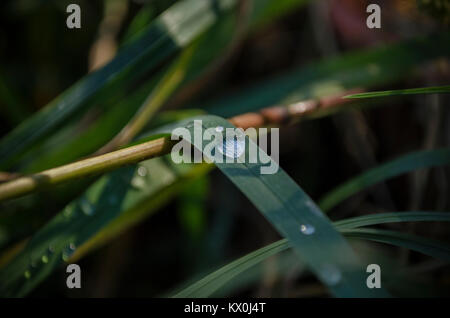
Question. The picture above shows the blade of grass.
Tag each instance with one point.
(419, 244)
(410, 91)
(369, 68)
(410, 162)
(214, 281)
(288, 208)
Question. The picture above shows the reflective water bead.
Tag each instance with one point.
(307, 229)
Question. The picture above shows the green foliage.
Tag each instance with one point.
(163, 59)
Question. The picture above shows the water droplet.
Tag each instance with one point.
(330, 274)
(307, 229)
(27, 274)
(51, 249)
(142, 171)
(44, 259)
(219, 129)
(232, 147)
(65, 256)
(68, 252)
(87, 207)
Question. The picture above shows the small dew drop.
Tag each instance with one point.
(44, 259)
(87, 207)
(68, 252)
(27, 274)
(142, 171)
(51, 249)
(219, 129)
(330, 274)
(72, 246)
(307, 229)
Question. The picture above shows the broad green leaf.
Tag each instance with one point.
(398, 92)
(214, 281)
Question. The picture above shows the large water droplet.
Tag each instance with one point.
(232, 147)
(307, 229)
(27, 274)
(330, 274)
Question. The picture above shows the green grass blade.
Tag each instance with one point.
(422, 245)
(399, 92)
(410, 162)
(368, 68)
(394, 217)
(288, 208)
(211, 283)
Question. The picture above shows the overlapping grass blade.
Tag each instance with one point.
(416, 243)
(399, 92)
(211, 283)
(410, 162)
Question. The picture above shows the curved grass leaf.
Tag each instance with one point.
(214, 281)
(410, 91)
(410, 162)
(419, 244)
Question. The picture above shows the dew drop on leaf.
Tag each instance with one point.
(307, 229)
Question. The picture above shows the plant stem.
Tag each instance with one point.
(82, 168)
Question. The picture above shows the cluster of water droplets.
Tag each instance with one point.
(45, 258)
